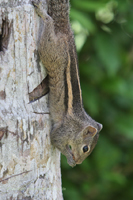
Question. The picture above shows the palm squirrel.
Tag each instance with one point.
(73, 131)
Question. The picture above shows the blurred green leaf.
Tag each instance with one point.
(107, 156)
(115, 86)
(125, 125)
(90, 97)
(115, 178)
(108, 51)
(85, 21)
(88, 5)
(106, 13)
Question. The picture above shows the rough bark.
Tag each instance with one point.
(29, 164)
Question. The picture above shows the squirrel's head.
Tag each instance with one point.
(83, 144)
(76, 137)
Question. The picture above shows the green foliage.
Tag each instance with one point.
(104, 39)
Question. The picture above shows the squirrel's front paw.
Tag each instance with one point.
(40, 8)
(37, 3)
(71, 161)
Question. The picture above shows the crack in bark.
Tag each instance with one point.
(42, 113)
(12, 133)
(15, 175)
(3, 131)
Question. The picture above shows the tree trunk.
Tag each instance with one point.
(29, 165)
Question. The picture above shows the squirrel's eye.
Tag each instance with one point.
(85, 148)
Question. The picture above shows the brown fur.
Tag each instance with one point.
(72, 129)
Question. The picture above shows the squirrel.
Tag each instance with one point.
(73, 131)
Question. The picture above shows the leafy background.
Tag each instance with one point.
(104, 39)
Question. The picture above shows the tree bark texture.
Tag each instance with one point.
(29, 164)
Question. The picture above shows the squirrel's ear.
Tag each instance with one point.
(100, 126)
(91, 131)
